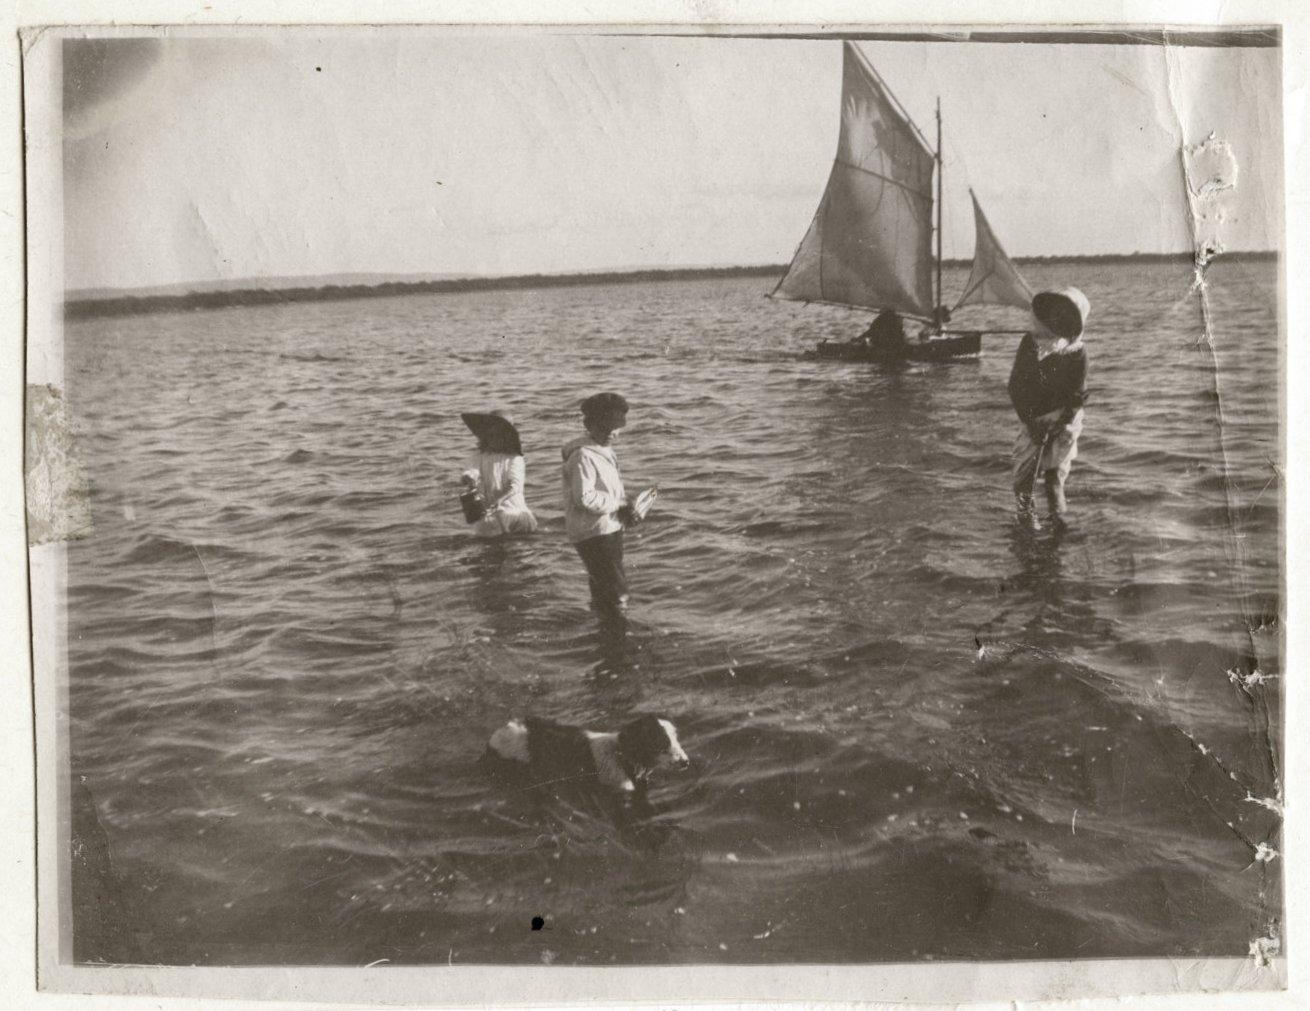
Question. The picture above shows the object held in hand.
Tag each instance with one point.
(641, 505)
(471, 501)
(473, 506)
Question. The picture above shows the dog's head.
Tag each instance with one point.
(649, 743)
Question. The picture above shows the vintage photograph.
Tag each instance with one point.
(641, 497)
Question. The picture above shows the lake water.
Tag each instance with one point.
(916, 733)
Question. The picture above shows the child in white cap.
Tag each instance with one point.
(1048, 387)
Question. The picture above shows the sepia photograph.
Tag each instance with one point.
(634, 497)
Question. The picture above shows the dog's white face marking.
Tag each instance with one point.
(511, 742)
(673, 755)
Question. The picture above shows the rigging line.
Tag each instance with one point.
(823, 210)
(815, 223)
(796, 255)
(887, 179)
(891, 96)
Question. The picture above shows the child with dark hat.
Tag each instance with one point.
(595, 507)
(493, 482)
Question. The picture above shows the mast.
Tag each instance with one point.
(937, 307)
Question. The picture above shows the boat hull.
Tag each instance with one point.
(962, 344)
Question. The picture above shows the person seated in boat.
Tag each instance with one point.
(1048, 387)
(936, 326)
(497, 476)
(886, 334)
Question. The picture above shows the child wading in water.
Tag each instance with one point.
(596, 508)
(1048, 386)
(493, 481)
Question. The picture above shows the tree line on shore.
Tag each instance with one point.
(130, 305)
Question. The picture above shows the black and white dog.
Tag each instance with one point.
(623, 761)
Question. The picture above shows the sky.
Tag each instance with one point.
(407, 151)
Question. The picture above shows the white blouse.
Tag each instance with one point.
(500, 479)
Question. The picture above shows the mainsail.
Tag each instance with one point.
(870, 243)
(994, 278)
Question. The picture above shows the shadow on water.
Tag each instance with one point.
(619, 645)
(1041, 568)
(512, 582)
(882, 399)
(1044, 605)
(634, 820)
(505, 581)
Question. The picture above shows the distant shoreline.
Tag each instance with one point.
(132, 305)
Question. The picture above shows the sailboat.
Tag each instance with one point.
(871, 243)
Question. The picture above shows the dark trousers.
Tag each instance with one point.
(603, 557)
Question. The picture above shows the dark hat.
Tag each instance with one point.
(1064, 311)
(495, 430)
(604, 405)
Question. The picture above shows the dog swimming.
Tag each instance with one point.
(623, 760)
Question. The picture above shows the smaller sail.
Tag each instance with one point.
(994, 279)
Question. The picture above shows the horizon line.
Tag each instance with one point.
(410, 279)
